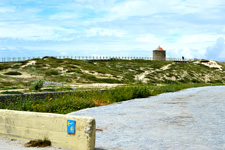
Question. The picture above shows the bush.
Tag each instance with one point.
(70, 70)
(37, 85)
(11, 92)
(39, 143)
(4, 66)
(50, 57)
(52, 72)
(16, 67)
(13, 73)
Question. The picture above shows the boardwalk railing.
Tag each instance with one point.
(17, 59)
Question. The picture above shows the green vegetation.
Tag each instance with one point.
(13, 73)
(82, 99)
(69, 72)
(4, 66)
(11, 92)
(52, 72)
(86, 71)
(37, 85)
(136, 79)
(39, 143)
(57, 89)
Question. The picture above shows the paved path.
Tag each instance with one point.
(192, 119)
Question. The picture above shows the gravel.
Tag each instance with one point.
(191, 119)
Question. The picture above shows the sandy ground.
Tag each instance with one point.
(142, 75)
(96, 85)
(211, 64)
(19, 90)
(32, 62)
(8, 144)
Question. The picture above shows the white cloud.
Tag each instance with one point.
(223, 29)
(63, 16)
(189, 46)
(143, 8)
(191, 53)
(149, 38)
(131, 8)
(37, 32)
(190, 6)
(198, 38)
(7, 10)
(217, 51)
(104, 32)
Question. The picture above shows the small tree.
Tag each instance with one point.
(37, 85)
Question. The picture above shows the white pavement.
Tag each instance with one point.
(192, 119)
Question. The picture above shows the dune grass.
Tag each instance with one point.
(71, 72)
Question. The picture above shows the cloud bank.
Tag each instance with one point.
(217, 51)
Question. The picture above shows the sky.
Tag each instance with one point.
(189, 28)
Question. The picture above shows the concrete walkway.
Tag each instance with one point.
(192, 119)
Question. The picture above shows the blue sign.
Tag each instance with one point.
(71, 126)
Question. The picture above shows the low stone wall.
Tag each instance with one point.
(32, 125)
(6, 99)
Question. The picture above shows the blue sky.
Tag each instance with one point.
(190, 28)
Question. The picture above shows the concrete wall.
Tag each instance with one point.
(32, 125)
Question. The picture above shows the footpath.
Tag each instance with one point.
(191, 119)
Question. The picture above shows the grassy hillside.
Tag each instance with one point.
(20, 75)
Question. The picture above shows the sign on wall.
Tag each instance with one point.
(71, 124)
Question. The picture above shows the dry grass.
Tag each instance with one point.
(38, 143)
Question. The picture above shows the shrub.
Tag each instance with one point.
(70, 70)
(4, 66)
(13, 73)
(50, 57)
(16, 67)
(11, 92)
(39, 143)
(37, 85)
(204, 61)
(52, 72)
(195, 81)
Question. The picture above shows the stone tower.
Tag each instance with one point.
(159, 54)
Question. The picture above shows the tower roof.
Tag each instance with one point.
(159, 48)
